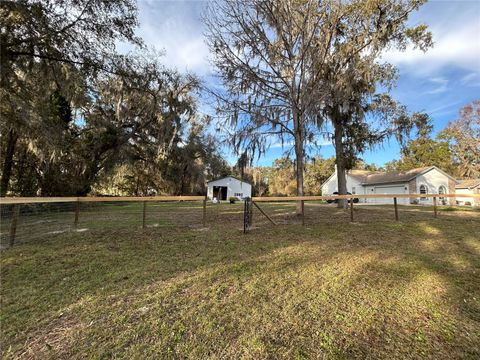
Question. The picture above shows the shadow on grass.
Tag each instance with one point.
(398, 289)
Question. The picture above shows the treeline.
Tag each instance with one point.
(280, 178)
(80, 118)
(455, 150)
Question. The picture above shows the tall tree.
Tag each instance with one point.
(52, 46)
(263, 52)
(463, 136)
(358, 32)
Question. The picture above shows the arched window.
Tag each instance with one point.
(442, 190)
(423, 191)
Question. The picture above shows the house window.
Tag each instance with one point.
(239, 195)
(442, 190)
(423, 191)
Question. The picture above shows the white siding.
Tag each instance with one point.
(463, 200)
(432, 179)
(331, 185)
(234, 186)
(387, 189)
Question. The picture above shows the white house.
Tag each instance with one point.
(223, 189)
(426, 180)
(468, 187)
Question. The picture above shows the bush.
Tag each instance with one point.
(450, 208)
(232, 199)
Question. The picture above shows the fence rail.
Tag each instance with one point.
(27, 218)
(87, 199)
(361, 196)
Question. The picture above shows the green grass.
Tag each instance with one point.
(372, 289)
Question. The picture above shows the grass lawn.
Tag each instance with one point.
(376, 288)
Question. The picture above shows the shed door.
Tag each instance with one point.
(387, 190)
(220, 192)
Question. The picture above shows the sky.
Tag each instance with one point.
(438, 82)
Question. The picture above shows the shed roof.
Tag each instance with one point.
(467, 184)
(226, 177)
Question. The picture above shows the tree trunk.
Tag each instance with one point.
(340, 162)
(298, 129)
(12, 138)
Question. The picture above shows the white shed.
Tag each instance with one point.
(223, 189)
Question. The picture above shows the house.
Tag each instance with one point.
(425, 180)
(223, 189)
(468, 187)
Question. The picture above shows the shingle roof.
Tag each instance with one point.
(467, 184)
(377, 177)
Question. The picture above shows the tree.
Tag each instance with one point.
(463, 136)
(317, 171)
(260, 180)
(359, 31)
(138, 117)
(263, 54)
(48, 47)
(191, 162)
(422, 152)
(281, 178)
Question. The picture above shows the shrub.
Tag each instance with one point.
(450, 208)
(232, 199)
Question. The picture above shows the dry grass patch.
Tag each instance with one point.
(375, 289)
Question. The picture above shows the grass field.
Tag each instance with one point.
(376, 288)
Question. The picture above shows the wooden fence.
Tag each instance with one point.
(302, 200)
(16, 201)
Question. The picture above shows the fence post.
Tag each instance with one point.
(205, 211)
(144, 214)
(435, 206)
(13, 225)
(77, 213)
(351, 209)
(303, 212)
(396, 208)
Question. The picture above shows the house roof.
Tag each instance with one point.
(225, 177)
(367, 177)
(376, 177)
(395, 176)
(467, 184)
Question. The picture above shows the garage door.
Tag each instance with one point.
(389, 190)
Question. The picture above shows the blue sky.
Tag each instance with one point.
(438, 82)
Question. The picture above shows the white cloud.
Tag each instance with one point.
(440, 86)
(175, 26)
(456, 43)
(472, 79)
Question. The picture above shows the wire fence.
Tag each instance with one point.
(26, 220)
